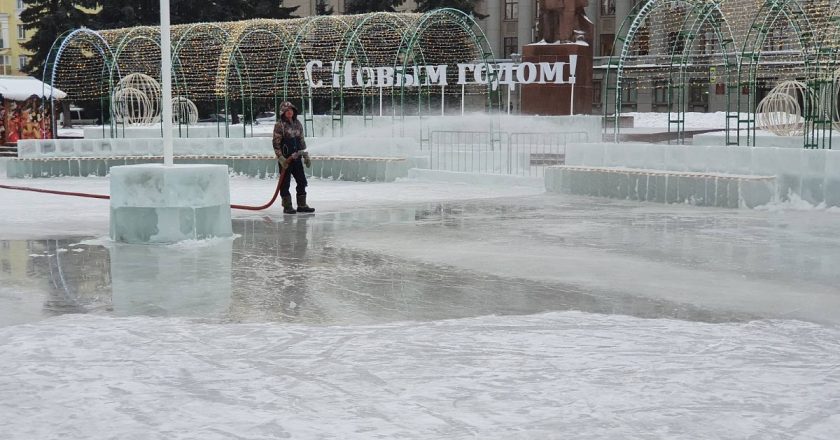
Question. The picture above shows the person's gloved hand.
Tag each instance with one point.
(306, 161)
(284, 163)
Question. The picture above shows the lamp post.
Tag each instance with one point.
(166, 81)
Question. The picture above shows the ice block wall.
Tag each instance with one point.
(153, 203)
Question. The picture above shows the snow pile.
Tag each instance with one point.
(795, 203)
(597, 376)
(694, 120)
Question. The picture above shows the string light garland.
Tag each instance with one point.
(741, 49)
(266, 58)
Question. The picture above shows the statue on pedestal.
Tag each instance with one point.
(564, 21)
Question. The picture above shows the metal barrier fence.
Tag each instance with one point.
(520, 154)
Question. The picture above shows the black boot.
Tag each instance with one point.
(287, 205)
(301, 204)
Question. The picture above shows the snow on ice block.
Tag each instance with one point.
(28, 147)
(701, 189)
(676, 158)
(257, 146)
(153, 203)
(234, 147)
(636, 155)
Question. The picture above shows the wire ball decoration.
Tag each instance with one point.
(780, 112)
(137, 98)
(132, 107)
(184, 111)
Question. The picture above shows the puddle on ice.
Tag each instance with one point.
(292, 269)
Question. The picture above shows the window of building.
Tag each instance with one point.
(641, 46)
(698, 96)
(629, 94)
(5, 65)
(597, 93)
(712, 43)
(511, 9)
(607, 7)
(23, 60)
(511, 46)
(607, 44)
(21, 32)
(660, 93)
(676, 42)
(777, 37)
(20, 4)
(322, 7)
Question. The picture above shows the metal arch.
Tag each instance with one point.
(467, 24)
(351, 26)
(295, 56)
(394, 22)
(752, 50)
(292, 59)
(829, 70)
(259, 26)
(699, 16)
(188, 31)
(630, 25)
(237, 59)
(70, 35)
(123, 42)
(56, 52)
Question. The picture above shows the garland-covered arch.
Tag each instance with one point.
(801, 47)
(80, 61)
(757, 43)
(669, 50)
(236, 63)
(447, 37)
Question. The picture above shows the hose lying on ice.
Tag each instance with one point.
(107, 197)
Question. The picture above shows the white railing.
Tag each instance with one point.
(520, 154)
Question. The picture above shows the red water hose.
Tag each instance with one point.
(276, 191)
(107, 197)
(61, 193)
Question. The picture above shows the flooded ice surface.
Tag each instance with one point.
(525, 317)
(452, 260)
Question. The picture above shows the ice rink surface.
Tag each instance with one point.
(422, 310)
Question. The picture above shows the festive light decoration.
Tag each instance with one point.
(132, 107)
(689, 52)
(265, 58)
(779, 112)
(137, 100)
(184, 111)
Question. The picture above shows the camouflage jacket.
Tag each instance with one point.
(288, 134)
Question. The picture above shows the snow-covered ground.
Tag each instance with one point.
(693, 120)
(423, 309)
(555, 375)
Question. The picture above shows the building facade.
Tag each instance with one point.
(12, 34)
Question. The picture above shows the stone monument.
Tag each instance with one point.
(564, 30)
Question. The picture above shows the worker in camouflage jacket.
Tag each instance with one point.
(288, 143)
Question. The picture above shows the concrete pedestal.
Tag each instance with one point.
(555, 99)
(153, 203)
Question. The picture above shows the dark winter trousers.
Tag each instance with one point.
(295, 169)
